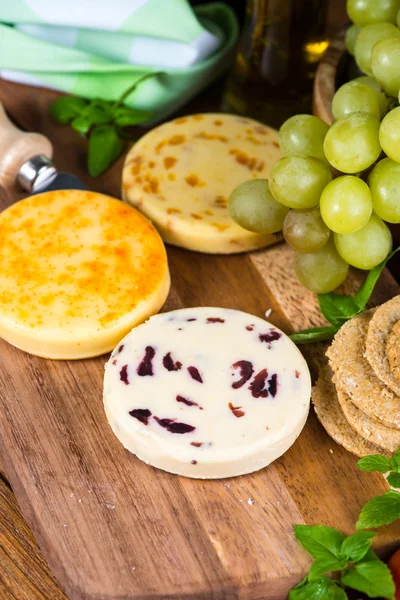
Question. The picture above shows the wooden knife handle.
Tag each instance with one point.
(16, 147)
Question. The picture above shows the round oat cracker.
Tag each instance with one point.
(381, 324)
(393, 350)
(331, 417)
(370, 429)
(354, 375)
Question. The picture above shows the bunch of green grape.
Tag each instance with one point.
(337, 186)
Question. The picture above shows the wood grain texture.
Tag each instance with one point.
(112, 527)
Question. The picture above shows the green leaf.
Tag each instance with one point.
(66, 108)
(380, 510)
(394, 480)
(375, 462)
(81, 125)
(326, 565)
(98, 114)
(372, 578)
(364, 292)
(320, 541)
(315, 334)
(125, 116)
(396, 463)
(321, 589)
(356, 546)
(336, 308)
(104, 147)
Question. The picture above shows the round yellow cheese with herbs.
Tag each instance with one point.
(77, 271)
(181, 174)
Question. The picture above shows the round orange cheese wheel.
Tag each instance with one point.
(181, 174)
(78, 270)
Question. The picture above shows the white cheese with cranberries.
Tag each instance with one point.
(207, 392)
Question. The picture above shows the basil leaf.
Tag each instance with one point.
(380, 510)
(375, 462)
(336, 308)
(325, 565)
(104, 147)
(315, 334)
(125, 116)
(322, 589)
(81, 125)
(363, 294)
(320, 541)
(66, 108)
(372, 578)
(394, 480)
(356, 546)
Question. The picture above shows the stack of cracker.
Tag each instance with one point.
(357, 396)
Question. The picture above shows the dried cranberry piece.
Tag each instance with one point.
(215, 320)
(121, 348)
(249, 327)
(114, 362)
(257, 387)
(146, 367)
(169, 364)
(297, 373)
(194, 462)
(194, 373)
(123, 374)
(174, 427)
(196, 444)
(236, 410)
(187, 402)
(246, 371)
(269, 337)
(141, 414)
(273, 385)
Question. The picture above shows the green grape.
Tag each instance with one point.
(303, 135)
(305, 231)
(353, 97)
(372, 83)
(384, 182)
(351, 36)
(366, 40)
(346, 204)
(352, 143)
(321, 271)
(367, 247)
(385, 65)
(363, 12)
(297, 182)
(253, 207)
(389, 134)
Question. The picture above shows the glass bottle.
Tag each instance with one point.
(281, 45)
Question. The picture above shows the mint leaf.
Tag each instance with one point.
(380, 510)
(372, 578)
(66, 108)
(321, 589)
(315, 334)
(325, 565)
(396, 463)
(125, 116)
(336, 308)
(394, 480)
(98, 114)
(356, 546)
(320, 541)
(375, 462)
(364, 292)
(104, 147)
(81, 124)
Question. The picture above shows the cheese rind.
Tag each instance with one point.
(181, 174)
(207, 392)
(77, 271)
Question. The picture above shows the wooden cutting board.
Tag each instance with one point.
(112, 527)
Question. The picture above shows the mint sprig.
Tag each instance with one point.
(102, 122)
(356, 565)
(337, 308)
